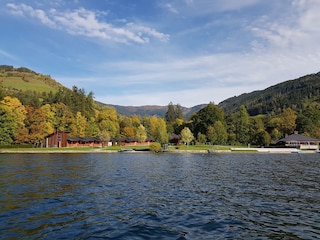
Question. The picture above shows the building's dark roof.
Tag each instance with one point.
(79, 139)
(298, 138)
(129, 140)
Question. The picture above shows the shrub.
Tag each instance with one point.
(155, 147)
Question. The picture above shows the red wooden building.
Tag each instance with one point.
(86, 142)
(57, 139)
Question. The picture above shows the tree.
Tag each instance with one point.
(170, 114)
(162, 135)
(288, 121)
(104, 136)
(178, 112)
(186, 135)
(92, 129)
(205, 117)
(221, 132)
(36, 125)
(173, 113)
(141, 133)
(308, 121)
(242, 125)
(211, 134)
(256, 126)
(13, 114)
(49, 118)
(157, 129)
(78, 127)
(127, 132)
(107, 119)
(201, 138)
(7, 127)
(135, 120)
(63, 116)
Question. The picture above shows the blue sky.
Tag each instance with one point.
(145, 52)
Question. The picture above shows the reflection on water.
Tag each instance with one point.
(162, 196)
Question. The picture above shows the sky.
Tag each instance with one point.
(153, 52)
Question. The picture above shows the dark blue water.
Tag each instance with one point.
(164, 196)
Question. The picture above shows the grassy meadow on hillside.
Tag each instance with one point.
(27, 80)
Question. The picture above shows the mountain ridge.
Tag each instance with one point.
(156, 110)
(291, 93)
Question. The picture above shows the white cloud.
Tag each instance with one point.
(296, 28)
(86, 23)
(191, 81)
(205, 7)
(170, 8)
(7, 55)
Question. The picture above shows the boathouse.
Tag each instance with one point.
(300, 141)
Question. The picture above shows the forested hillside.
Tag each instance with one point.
(295, 94)
(151, 110)
(28, 116)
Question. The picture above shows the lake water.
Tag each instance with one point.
(159, 196)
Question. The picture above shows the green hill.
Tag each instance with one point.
(293, 93)
(24, 79)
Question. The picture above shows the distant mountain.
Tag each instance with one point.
(293, 93)
(150, 110)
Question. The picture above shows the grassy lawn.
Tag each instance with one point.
(29, 149)
(117, 148)
(199, 147)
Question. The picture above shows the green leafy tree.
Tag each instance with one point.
(220, 132)
(206, 117)
(170, 114)
(287, 122)
(201, 138)
(211, 134)
(78, 127)
(242, 126)
(256, 126)
(92, 129)
(13, 114)
(63, 116)
(231, 129)
(7, 127)
(173, 116)
(108, 120)
(308, 121)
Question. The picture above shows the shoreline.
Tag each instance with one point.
(232, 150)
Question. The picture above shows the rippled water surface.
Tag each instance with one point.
(159, 196)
